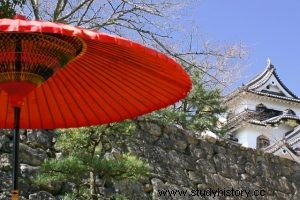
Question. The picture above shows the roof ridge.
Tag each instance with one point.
(267, 69)
(258, 81)
(284, 86)
(264, 76)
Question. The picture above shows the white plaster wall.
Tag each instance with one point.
(247, 136)
(276, 133)
(238, 105)
(253, 100)
(250, 101)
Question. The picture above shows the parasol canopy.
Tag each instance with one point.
(64, 76)
(58, 76)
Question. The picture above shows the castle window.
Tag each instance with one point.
(262, 142)
(261, 107)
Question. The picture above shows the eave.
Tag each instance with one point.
(244, 91)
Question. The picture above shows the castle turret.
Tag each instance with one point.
(264, 114)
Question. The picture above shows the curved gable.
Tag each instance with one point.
(269, 82)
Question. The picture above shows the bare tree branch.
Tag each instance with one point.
(154, 24)
(84, 13)
(35, 7)
(60, 6)
(72, 11)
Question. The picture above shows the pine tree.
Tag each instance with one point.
(199, 111)
(86, 160)
(8, 7)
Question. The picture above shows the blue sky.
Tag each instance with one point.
(269, 28)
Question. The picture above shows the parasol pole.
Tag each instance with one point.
(16, 166)
(16, 140)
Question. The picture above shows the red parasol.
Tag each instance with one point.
(59, 76)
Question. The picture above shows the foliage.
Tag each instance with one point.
(82, 193)
(87, 152)
(8, 7)
(199, 111)
(60, 170)
(94, 140)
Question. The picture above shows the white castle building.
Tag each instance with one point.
(264, 114)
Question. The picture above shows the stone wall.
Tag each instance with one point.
(35, 147)
(181, 161)
(178, 161)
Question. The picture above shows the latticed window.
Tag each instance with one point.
(262, 142)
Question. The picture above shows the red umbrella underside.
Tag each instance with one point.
(98, 79)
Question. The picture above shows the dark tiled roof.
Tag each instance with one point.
(263, 77)
(294, 133)
(275, 93)
(275, 96)
(263, 117)
(244, 89)
(279, 118)
(260, 80)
